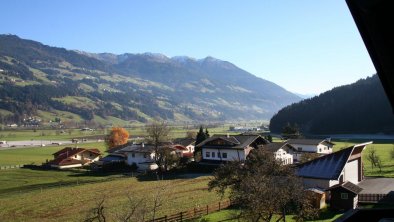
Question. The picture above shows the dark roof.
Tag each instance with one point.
(275, 146)
(117, 148)
(329, 166)
(348, 186)
(184, 141)
(308, 141)
(237, 141)
(143, 148)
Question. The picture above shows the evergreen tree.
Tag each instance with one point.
(206, 133)
(201, 136)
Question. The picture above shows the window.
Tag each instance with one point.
(207, 154)
(75, 156)
(146, 155)
(213, 154)
(299, 148)
(224, 155)
(344, 196)
(133, 155)
(319, 149)
(219, 154)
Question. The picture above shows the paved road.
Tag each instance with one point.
(377, 185)
(34, 143)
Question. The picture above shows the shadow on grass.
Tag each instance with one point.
(328, 214)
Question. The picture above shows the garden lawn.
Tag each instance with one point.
(231, 215)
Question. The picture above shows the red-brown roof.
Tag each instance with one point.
(70, 151)
(63, 156)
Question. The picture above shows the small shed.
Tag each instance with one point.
(344, 196)
(318, 197)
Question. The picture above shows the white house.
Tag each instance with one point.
(333, 169)
(143, 155)
(140, 154)
(301, 146)
(222, 148)
(281, 151)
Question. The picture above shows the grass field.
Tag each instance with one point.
(383, 150)
(73, 203)
(38, 155)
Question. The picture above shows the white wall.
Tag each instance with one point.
(285, 157)
(190, 149)
(139, 158)
(320, 148)
(350, 172)
(232, 154)
(320, 183)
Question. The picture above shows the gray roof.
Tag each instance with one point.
(275, 146)
(143, 148)
(329, 166)
(308, 141)
(184, 141)
(236, 141)
(348, 186)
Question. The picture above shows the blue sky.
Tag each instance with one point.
(306, 46)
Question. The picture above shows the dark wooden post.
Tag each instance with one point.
(165, 218)
(207, 209)
(181, 215)
(219, 205)
(194, 212)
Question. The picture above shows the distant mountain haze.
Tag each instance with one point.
(361, 107)
(41, 80)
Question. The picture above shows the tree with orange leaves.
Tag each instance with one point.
(117, 136)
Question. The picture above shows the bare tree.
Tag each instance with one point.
(372, 157)
(378, 163)
(97, 213)
(158, 136)
(134, 211)
(263, 187)
(392, 153)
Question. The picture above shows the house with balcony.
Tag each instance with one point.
(222, 148)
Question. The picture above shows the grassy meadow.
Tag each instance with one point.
(72, 203)
(38, 155)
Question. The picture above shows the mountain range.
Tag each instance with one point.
(361, 107)
(50, 82)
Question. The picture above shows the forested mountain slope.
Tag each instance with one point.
(361, 107)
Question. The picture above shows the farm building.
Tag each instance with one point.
(338, 172)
